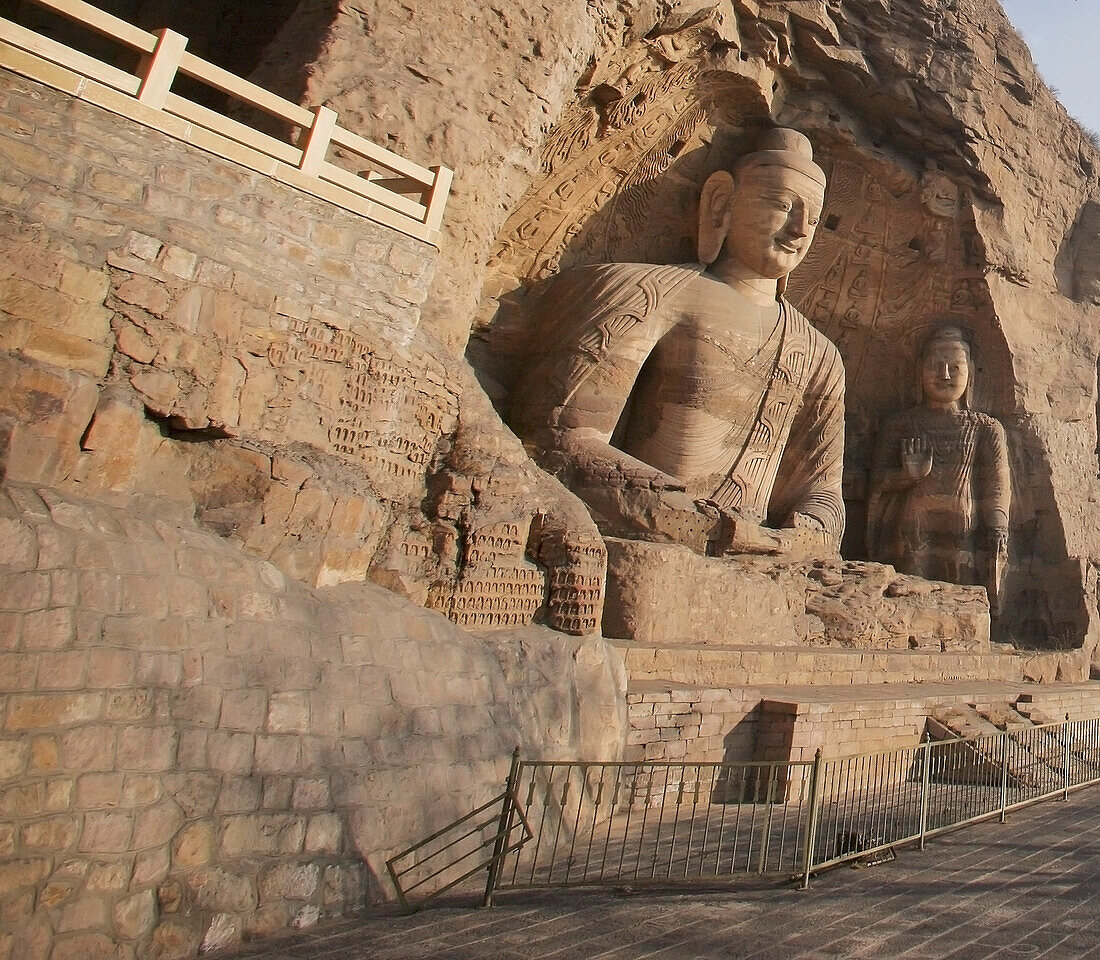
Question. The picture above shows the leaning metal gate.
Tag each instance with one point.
(575, 823)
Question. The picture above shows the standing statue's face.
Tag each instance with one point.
(945, 373)
(774, 213)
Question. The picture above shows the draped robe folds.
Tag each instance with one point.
(643, 356)
(932, 527)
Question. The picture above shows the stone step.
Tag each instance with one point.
(1033, 755)
(716, 665)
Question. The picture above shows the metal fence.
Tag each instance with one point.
(584, 823)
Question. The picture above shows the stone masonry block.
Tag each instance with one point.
(230, 752)
(159, 669)
(135, 916)
(11, 630)
(277, 754)
(288, 713)
(110, 669)
(7, 840)
(62, 670)
(134, 343)
(114, 186)
(51, 835)
(13, 758)
(82, 913)
(20, 671)
(71, 352)
(29, 711)
(65, 591)
(45, 753)
(311, 794)
(18, 545)
(194, 845)
(215, 888)
(290, 881)
(147, 748)
(107, 832)
(49, 629)
(179, 262)
(156, 825)
(244, 709)
(84, 283)
(197, 705)
(239, 795)
(98, 790)
(324, 834)
(23, 800)
(89, 747)
(145, 292)
(25, 591)
(30, 301)
(262, 834)
(144, 596)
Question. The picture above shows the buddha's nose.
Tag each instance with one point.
(944, 371)
(799, 224)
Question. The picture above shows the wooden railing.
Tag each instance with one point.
(379, 185)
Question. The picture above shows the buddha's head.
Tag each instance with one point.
(764, 213)
(945, 368)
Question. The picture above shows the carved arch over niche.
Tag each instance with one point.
(897, 253)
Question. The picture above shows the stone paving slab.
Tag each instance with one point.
(1026, 889)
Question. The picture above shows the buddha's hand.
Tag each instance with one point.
(643, 476)
(916, 458)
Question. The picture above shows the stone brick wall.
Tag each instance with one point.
(694, 724)
(194, 746)
(684, 723)
(220, 415)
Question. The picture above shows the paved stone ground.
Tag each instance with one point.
(1030, 888)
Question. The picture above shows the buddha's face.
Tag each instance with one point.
(945, 373)
(774, 213)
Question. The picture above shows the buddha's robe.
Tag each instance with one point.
(743, 404)
(934, 527)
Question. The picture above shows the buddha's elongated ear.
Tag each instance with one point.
(714, 215)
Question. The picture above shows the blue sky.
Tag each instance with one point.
(1064, 37)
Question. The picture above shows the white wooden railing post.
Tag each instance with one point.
(158, 70)
(397, 193)
(437, 200)
(316, 140)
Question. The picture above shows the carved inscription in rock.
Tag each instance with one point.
(377, 405)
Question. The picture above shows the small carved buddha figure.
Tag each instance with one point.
(693, 403)
(940, 485)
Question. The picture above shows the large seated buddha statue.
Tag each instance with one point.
(693, 403)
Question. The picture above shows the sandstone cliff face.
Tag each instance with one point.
(222, 388)
(581, 133)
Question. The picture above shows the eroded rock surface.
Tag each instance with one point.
(665, 594)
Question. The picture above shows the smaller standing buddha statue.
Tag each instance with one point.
(940, 483)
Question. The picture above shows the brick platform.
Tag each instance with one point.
(1021, 889)
(708, 724)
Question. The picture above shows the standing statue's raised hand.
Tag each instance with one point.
(916, 457)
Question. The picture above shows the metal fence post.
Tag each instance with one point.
(816, 798)
(1004, 774)
(504, 828)
(925, 784)
(1065, 765)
